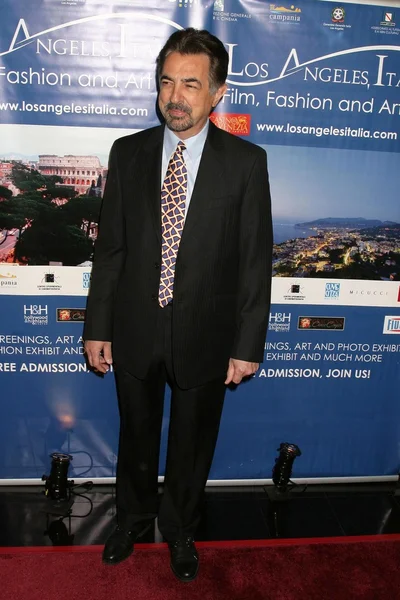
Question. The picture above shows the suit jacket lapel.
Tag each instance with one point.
(209, 174)
(150, 167)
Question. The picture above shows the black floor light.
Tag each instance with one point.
(57, 486)
(282, 470)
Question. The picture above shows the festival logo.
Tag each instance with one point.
(233, 123)
(279, 322)
(74, 315)
(321, 323)
(391, 325)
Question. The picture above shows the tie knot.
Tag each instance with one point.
(180, 148)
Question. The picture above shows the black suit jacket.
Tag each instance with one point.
(223, 269)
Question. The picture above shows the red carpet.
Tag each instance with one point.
(332, 569)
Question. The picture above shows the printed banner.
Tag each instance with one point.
(315, 84)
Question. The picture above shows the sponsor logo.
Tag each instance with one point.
(284, 14)
(321, 323)
(337, 20)
(8, 280)
(392, 325)
(388, 19)
(237, 124)
(338, 15)
(368, 292)
(76, 315)
(295, 292)
(86, 280)
(279, 321)
(332, 290)
(276, 8)
(185, 3)
(49, 282)
(387, 25)
(36, 314)
(220, 14)
(73, 2)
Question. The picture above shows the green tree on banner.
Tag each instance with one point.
(53, 224)
(5, 193)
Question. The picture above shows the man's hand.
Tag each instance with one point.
(238, 369)
(99, 355)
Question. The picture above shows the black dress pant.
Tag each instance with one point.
(193, 431)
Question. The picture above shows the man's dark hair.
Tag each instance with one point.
(196, 41)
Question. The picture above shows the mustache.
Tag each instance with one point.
(178, 106)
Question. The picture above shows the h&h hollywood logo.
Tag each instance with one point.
(279, 321)
(332, 290)
(36, 314)
(392, 324)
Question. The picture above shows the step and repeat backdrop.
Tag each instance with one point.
(314, 83)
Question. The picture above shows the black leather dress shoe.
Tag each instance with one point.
(184, 559)
(120, 543)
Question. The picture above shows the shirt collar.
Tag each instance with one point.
(194, 145)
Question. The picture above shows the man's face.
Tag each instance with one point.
(185, 98)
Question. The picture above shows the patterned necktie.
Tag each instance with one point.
(173, 203)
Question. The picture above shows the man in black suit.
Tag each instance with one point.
(179, 293)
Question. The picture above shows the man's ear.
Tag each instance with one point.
(219, 94)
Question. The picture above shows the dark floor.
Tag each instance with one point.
(28, 518)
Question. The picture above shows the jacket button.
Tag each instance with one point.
(153, 297)
(156, 265)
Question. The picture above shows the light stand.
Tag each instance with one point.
(282, 471)
(280, 493)
(58, 532)
(60, 492)
(57, 486)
